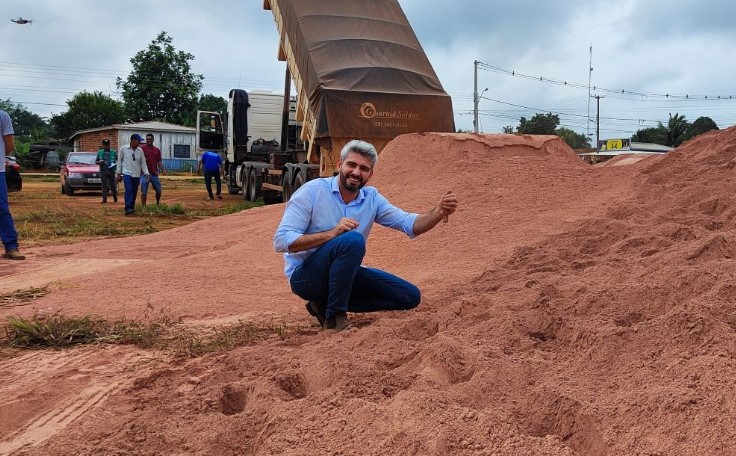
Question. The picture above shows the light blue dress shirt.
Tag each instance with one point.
(317, 206)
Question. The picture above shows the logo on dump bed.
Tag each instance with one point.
(368, 111)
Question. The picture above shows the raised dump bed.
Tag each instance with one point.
(359, 72)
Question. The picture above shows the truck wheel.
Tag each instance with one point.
(254, 184)
(232, 184)
(245, 182)
(244, 186)
(286, 185)
(69, 190)
(63, 191)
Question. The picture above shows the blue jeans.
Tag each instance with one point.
(155, 183)
(332, 276)
(7, 227)
(131, 192)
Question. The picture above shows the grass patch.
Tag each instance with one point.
(193, 343)
(57, 331)
(193, 180)
(163, 209)
(46, 223)
(40, 177)
(40, 215)
(22, 297)
(225, 210)
(39, 196)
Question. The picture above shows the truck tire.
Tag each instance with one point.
(286, 185)
(254, 185)
(63, 190)
(244, 187)
(232, 187)
(69, 190)
(245, 181)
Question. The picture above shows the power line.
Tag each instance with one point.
(495, 69)
(561, 113)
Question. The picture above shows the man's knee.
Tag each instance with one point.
(413, 296)
(351, 242)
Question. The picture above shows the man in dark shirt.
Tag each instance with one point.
(212, 164)
(155, 163)
(108, 159)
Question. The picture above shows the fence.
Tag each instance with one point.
(180, 165)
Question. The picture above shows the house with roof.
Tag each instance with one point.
(175, 141)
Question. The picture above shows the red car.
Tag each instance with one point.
(79, 172)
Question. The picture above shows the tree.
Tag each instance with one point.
(540, 124)
(88, 110)
(655, 135)
(212, 103)
(28, 127)
(574, 140)
(209, 102)
(700, 126)
(161, 85)
(509, 130)
(676, 128)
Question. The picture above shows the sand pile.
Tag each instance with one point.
(567, 309)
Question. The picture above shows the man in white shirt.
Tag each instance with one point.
(131, 166)
(8, 234)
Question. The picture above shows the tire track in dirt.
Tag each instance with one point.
(47, 391)
(58, 271)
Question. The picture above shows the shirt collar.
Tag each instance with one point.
(335, 187)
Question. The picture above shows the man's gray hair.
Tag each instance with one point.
(361, 147)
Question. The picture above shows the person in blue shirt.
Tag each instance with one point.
(323, 236)
(212, 164)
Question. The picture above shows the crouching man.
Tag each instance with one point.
(323, 236)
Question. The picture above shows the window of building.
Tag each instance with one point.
(181, 151)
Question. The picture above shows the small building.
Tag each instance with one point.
(175, 141)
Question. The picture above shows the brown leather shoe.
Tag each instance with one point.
(317, 312)
(337, 323)
(14, 255)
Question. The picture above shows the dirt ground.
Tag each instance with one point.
(567, 309)
(44, 216)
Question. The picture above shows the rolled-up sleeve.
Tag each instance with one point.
(295, 221)
(391, 216)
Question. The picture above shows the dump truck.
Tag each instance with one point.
(358, 71)
(248, 137)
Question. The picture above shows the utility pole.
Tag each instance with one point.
(475, 96)
(597, 120)
(590, 77)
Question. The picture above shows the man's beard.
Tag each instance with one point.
(350, 186)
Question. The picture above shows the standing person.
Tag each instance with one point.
(108, 160)
(131, 165)
(323, 234)
(212, 163)
(8, 234)
(154, 163)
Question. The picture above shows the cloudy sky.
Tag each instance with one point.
(650, 58)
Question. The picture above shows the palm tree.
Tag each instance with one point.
(676, 129)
